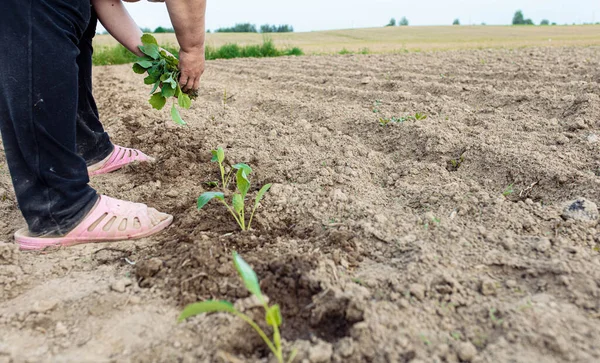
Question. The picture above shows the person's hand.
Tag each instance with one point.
(191, 65)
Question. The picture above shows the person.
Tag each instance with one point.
(52, 136)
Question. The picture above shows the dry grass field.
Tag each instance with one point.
(412, 38)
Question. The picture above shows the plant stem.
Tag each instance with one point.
(252, 215)
(222, 175)
(233, 214)
(260, 332)
(227, 180)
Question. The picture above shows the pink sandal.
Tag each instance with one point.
(110, 220)
(120, 157)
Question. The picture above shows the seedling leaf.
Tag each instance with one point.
(261, 194)
(184, 101)
(144, 64)
(243, 166)
(238, 203)
(148, 39)
(151, 50)
(207, 197)
(155, 87)
(220, 155)
(248, 276)
(209, 306)
(138, 69)
(167, 91)
(243, 184)
(158, 101)
(215, 157)
(150, 79)
(176, 116)
(273, 316)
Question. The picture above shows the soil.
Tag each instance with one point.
(469, 235)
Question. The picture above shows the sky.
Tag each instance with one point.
(311, 15)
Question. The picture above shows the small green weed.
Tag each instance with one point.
(238, 207)
(508, 191)
(272, 313)
(416, 117)
(376, 106)
(455, 164)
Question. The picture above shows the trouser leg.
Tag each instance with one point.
(38, 110)
(93, 143)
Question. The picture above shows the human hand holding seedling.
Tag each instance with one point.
(163, 72)
(237, 209)
(273, 316)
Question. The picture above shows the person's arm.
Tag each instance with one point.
(188, 19)
(115, 18)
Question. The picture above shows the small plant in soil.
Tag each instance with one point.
(272, 312)
(238, 207)
(383, 121)
(163, 72)
(508, 191)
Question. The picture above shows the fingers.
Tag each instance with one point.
(183, 81)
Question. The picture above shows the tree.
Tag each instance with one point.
(456, 22)
(392, 22)
(545, 22)
(403, 21)
(518, 18)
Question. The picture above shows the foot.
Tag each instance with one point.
(120, 157)
(110, 220)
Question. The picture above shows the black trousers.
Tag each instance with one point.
(48, 117)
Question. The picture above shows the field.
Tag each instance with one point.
(443, 239)
(402, 39)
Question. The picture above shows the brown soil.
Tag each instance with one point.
(440, 239)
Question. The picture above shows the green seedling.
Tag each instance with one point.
(376, 105)
(419, 116)
(163, 72)
(455, 164)
(272, 313)
(238, 207)
(508, 191)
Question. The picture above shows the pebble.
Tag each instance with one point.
(580, 209)
(365, 80)
(466, 351)
(61, 329)
(121, 285)
(149, 268)
(44, 306)
(542, 245)
(593, 138)
(320, 353)
(511, 283)
(172, 193)
(135, 300)
(418, 291)
(488, 287)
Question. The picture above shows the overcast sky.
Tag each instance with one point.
(307, 15)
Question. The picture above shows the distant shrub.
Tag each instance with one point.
(392, 22)
(403, 21)
(545, 22)
(160, 29)
(239, 28)
(456, 22)
(519, 19)
(146, 30)
(120, 55)
(344, 51)
(284, 28)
